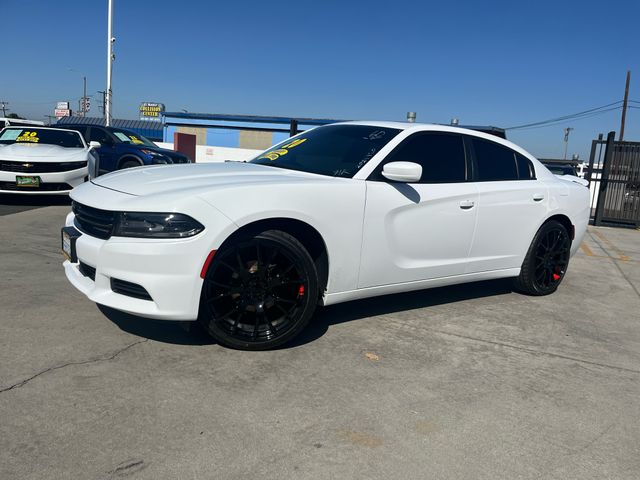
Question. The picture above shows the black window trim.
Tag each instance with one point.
(474, 161)
(467, 158)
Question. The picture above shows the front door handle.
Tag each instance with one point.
(537, 197)
(467, 204)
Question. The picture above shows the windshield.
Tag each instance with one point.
(132, 138)
(333, 150)
(41, 136)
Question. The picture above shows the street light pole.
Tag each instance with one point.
(110, 57)
(567, 131)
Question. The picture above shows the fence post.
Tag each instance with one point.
(604, 177)
(293, 127)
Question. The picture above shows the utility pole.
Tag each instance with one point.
(102, 106)
(49, 117)
(110, 57)
(567, 131)
(624, 105)
(3, 106)
(84, 96)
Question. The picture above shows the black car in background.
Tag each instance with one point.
(120, 148)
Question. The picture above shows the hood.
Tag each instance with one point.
(192, 178)
(42, 153)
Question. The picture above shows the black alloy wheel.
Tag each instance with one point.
(259, 291)
(546, 261)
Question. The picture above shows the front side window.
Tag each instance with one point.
(40, 136)
(332, 150)
(494, 162)
(441, 155)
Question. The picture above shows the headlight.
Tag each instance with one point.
(156, 225)
(157, 158)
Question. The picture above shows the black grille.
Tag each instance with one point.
(129, 289)
(87, 271)
(93, 221)
(40, 167)
(43, 187)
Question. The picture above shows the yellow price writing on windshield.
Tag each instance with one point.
(28, 137)
(283, 150)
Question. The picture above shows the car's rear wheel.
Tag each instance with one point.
(259, 292)
(546, 261)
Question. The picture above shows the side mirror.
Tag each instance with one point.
(94, 144)
(407, 172)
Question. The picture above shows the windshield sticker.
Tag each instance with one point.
(136, 140)
(283, 150)
(122, 136)
(376, 135)
(10, 134)
(27, 136)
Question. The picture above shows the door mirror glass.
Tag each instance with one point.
(407, 172)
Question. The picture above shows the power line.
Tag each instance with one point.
(584, 113)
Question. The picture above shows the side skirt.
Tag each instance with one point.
(339, 297)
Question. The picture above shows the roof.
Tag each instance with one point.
(144, 127)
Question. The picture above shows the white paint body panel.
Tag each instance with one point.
(380, 237)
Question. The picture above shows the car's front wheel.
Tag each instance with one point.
(546, 261)
(259, 292)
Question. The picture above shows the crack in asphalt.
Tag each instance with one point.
(520, 348)
(84, 362)
(615, 262)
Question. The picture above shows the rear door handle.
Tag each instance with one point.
(537, 197)
(467, 204)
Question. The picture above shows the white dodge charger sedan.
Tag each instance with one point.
(41, 160)
(340, 212)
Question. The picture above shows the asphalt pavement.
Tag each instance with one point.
(466, 382)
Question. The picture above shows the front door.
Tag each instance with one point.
(422, 230)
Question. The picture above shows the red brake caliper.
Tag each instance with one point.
(301, 291)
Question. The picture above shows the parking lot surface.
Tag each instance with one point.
(466, 382)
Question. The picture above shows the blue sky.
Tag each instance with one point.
(503, 63)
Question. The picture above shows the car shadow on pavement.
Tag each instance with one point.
(188, 333)
(166, 331)
(14, 203)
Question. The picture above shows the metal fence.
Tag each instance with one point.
(614, 178)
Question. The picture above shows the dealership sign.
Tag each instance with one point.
(62, 106)
(63, 112)
(151, 111)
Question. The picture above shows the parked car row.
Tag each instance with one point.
(52, 160)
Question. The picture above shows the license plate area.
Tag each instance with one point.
(28, 181)
(68, 238)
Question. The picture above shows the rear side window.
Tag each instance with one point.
(525, 168)
(494, 161)
(441, 155)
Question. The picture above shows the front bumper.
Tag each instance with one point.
(56, 183)
(169, 270)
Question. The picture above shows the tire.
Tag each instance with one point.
(546, 262)
(129, 164)
(259, 292)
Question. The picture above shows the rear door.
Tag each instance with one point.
(419, 231)
(511, 206)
